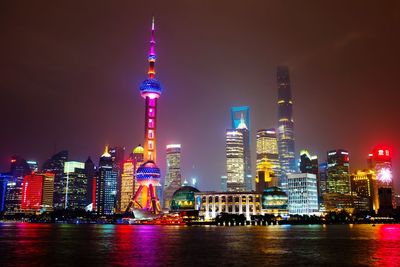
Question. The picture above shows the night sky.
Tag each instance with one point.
(70, 72)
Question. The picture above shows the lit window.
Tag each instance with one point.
(152, 112)
(151, 144)
(151, 123)
(150, 134)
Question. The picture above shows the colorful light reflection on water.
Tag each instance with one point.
(125, 245)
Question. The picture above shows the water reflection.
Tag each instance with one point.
(387, 252)
(124, 245)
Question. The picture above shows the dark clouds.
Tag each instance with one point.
(69, 75)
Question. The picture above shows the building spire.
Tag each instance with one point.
(242, 124)
(152, 54)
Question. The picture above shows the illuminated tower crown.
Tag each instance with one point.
(151, 87)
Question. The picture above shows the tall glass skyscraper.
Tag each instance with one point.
(106, 185)
(173, 179)
(240, 117)
(267, 149)
(285, 126)
(235, 161)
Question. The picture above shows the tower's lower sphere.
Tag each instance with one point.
(148, 174)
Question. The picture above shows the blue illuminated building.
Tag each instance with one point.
(4, 178)
(106, 187)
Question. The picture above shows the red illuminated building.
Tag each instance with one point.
(37, 192)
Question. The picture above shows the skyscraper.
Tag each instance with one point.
(106, 189)
(267, 149)
(4, 178)
(37, 192)
(380, 160)
(90, 173)
(309, 164)
(118, 155)
(173, 179)
(241, 121)
(285, 126)
(235, 161)
(75, 185)
(338, 172)
(18, 169)
(56, 165)
(127, 183)
(364, 190)
(148, 174)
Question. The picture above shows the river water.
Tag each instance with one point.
(24, 244)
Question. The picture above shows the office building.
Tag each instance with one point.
(265, 177)
(274, 201)
(90, 173)
(173, 179)
(338, 172)
(235, 170)
(267, 149)
(56, 165)
(37, 192)
(118, 155)
(285, 129)
(4, 178)
(240, 117)
(106, 189)
(364, 190)
(75, 185)
(303, 193)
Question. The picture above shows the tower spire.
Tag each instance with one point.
(152, 53)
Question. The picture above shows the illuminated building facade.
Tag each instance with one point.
(364, 190)
(380, 160)
(75, 185)
(285, 126)
(90, 173)
(235, 170)
(118, 154)
(18, 169)
(4, 178)
(210, 204)
(148, 174)
(338, 172)
(33, 165)
(183, 199)
(265, 177)
(173, 179)
(224, 183)
(323, 178)
(303, 193)
(137, 157)
(56, 165)
(267, 149)
(274, 201)
(127, 184)
(37, 192)
(241, 121)
(106, 188)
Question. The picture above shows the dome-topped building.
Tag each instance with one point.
(184, 199)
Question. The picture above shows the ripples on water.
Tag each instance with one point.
(124, 245)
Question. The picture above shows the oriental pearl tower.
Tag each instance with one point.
(148, 174)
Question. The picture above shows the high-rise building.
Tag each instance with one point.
(118, 155)
(241, 121)
(173, 179)
(33, 165)
(37, 192)
(364, 190)
(235, 171)
(4, 178)
(148, 174)
(323, 178)
(127, 184)
(380, 160)
(265, 177)
(106, 189)
(56, 165)
(303, 195)
(18, 169)
(75, 185)
(137, 157)
(90, 173)
(309, 164)
(338, 172)
(285, 126)
(267, 149)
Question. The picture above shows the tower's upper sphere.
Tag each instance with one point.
(150, 87)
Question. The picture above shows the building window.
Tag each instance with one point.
(152, 112)
(151, 123)
(150, 134)
(152, 102)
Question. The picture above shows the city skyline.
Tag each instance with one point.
(120, 100)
